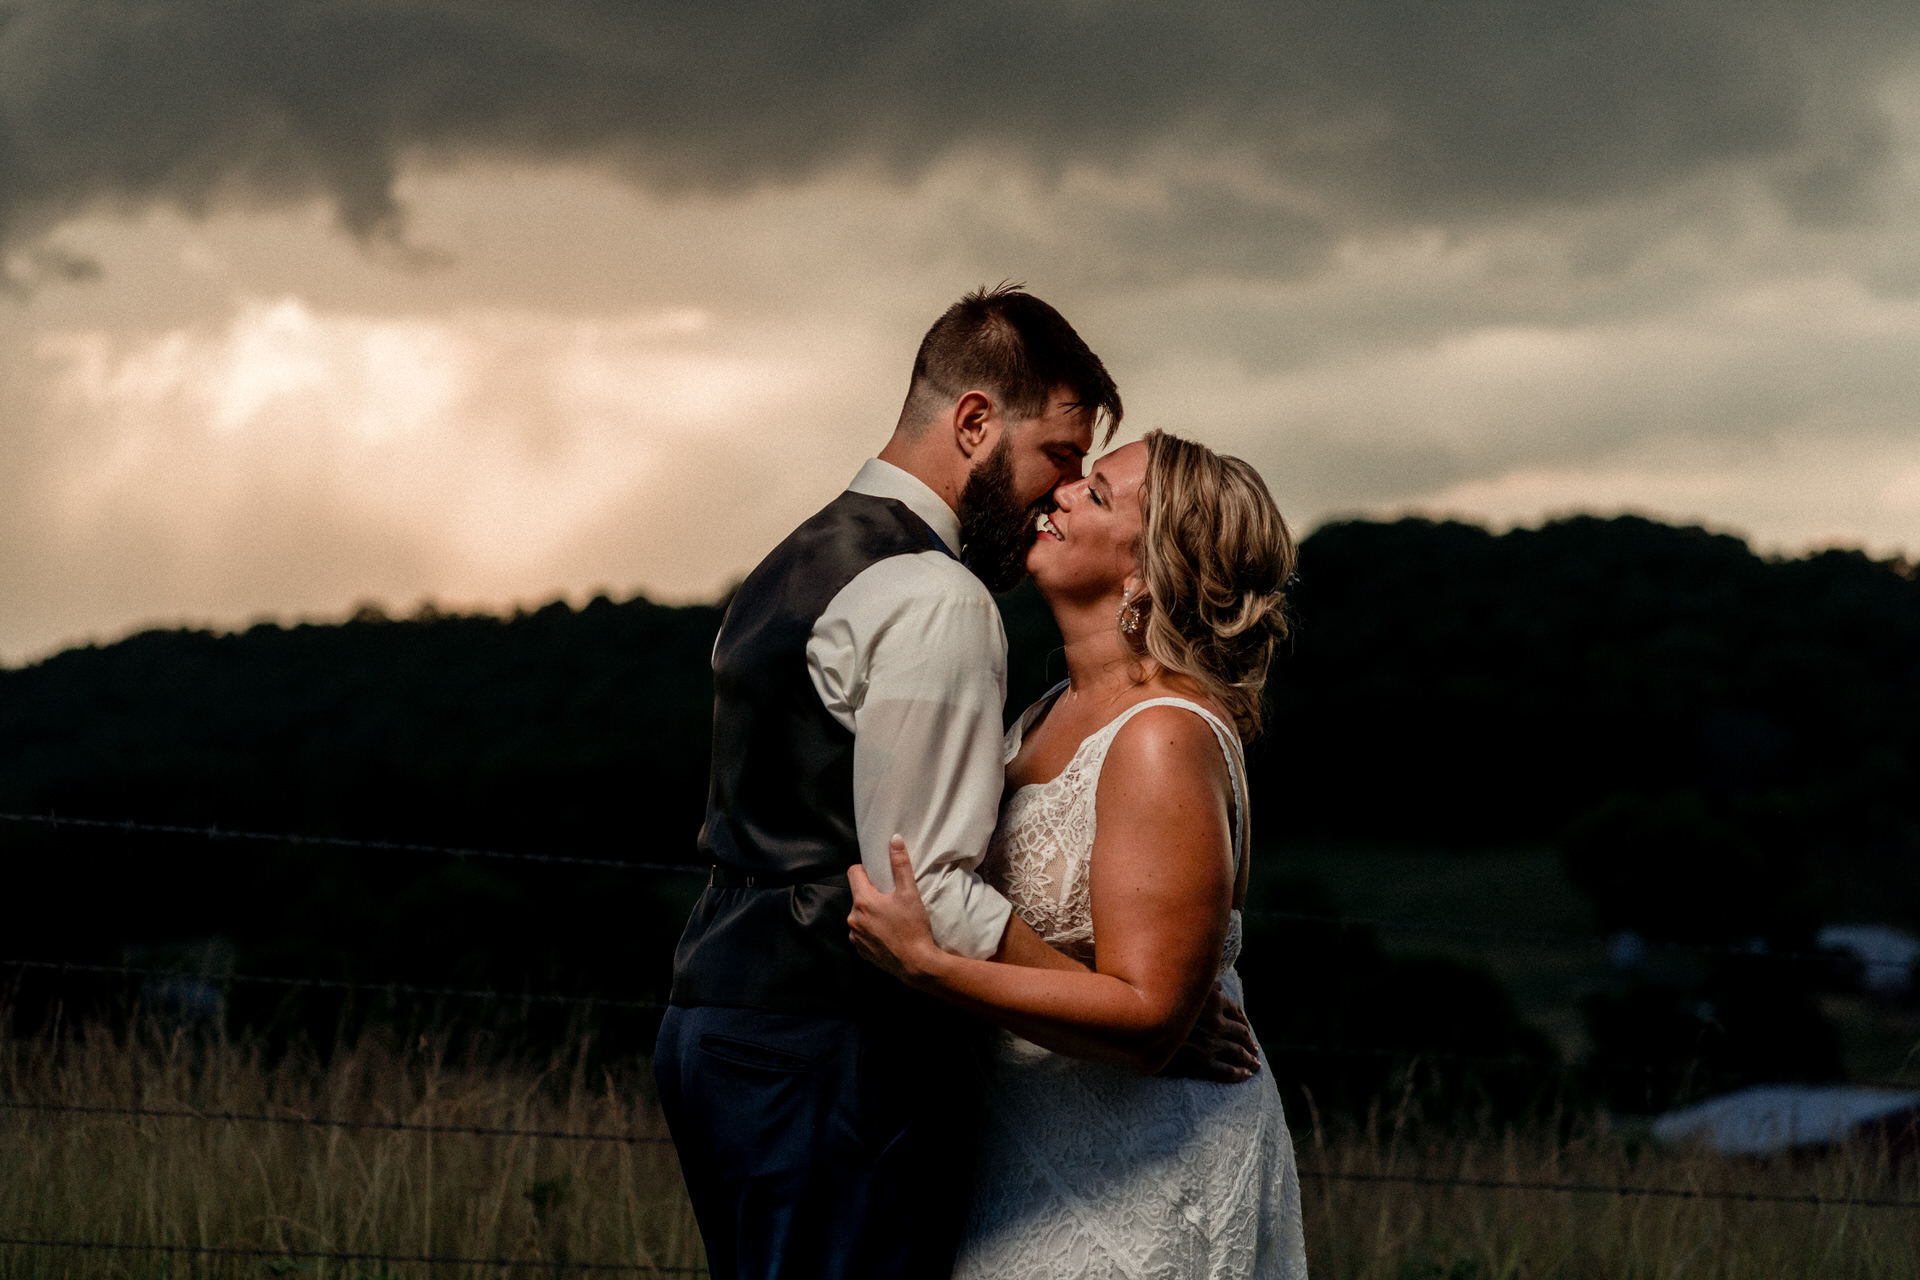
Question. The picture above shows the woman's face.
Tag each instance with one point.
(1085, 546)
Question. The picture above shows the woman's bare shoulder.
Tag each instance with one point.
(1167, 747)
(1165, 718)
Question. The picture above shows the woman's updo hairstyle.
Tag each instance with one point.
(1217, 557)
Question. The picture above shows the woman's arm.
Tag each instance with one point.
(1162, 882)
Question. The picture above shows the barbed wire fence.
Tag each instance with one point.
(1752, 950)
(58, 968)
(507, 1265)
(594, 1002)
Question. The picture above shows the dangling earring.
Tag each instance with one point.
(1128, 615)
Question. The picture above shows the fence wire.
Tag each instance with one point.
(1537, 937)
(1612, 1189)
(331, 1255)
(214, 831)
(1519, 1063)
(1449, 1181)
(1321, 1175)
(1513, 1062)
(1547, 938)
(323, 1122)
(484, 994)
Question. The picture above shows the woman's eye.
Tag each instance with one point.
(1096, 498)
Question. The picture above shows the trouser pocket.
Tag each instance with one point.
(754, 1055)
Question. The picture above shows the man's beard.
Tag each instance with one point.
(996, 528)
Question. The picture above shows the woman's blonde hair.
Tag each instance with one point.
(1217, 559)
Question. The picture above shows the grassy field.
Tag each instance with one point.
(540, 1205)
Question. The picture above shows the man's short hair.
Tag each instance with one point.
(1008, 343)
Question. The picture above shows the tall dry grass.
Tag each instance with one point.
(304, 1189)
(1363, 1230)
(543, 1204)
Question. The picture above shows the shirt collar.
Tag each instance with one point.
(879, 479)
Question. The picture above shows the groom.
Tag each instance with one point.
(822, 1111)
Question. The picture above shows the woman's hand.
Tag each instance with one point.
(1220, 1047)
(891, 929)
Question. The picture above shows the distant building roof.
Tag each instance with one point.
(1886, 954)
(1779, 1117)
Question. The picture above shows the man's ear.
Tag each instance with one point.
(974, 417)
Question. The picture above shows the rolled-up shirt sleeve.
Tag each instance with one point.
(911, 656)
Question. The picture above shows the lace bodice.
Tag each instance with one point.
(1041, 855)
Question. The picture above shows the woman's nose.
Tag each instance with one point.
(1063, 494)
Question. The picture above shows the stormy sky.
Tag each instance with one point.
(305, 304)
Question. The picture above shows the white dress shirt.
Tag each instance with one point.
(911, 657)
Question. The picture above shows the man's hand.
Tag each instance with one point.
(1220, 1047)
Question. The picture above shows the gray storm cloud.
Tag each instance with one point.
(1477, 256)
(1348, 109)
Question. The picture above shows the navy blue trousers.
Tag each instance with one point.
(819, 1147)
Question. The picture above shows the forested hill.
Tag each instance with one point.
(578, 731)
(1725, 743)
(1721, 741)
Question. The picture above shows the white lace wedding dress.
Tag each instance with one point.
(1088, 1169)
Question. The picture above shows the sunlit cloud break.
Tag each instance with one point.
(290, 456)
(498, 433)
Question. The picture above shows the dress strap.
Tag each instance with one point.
(1229, 746)
(1018, 733)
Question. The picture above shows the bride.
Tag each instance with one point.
(1123, 842)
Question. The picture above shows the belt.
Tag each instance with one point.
(725, 877)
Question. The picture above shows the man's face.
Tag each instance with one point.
(1014, 483)
(1050, 450)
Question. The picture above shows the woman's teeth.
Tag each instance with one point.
(1044, 525)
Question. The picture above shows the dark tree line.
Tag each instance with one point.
(1722, 746)
(1726, 745)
